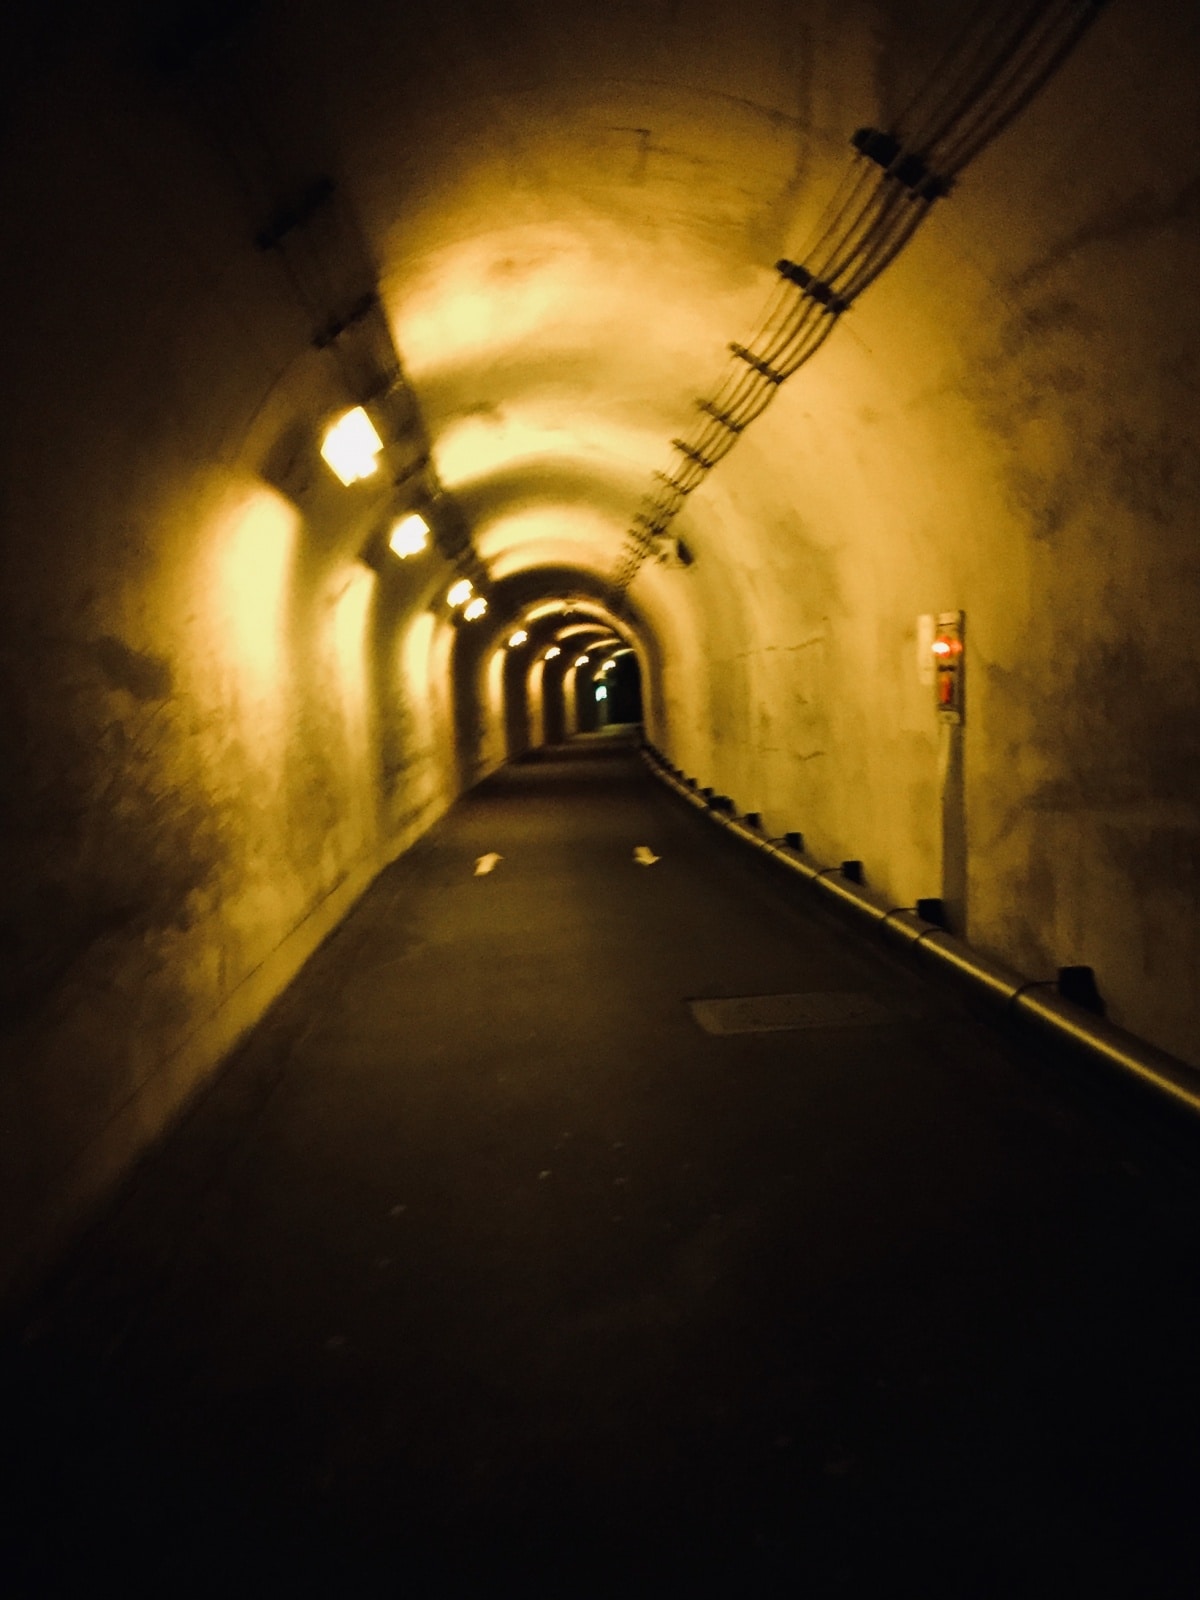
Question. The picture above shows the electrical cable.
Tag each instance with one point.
(996, 64)
(979, 66)
(1047, 69)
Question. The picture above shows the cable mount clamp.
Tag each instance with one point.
(814, 288)
(760, 366)
(907, 167)
(651, 525)
(693, 455)
(723, 417)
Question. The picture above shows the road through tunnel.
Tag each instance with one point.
(768, 346)
(596, 1215)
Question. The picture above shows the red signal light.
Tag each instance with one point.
(948, 666)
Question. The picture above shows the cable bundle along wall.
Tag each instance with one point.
(998, 62)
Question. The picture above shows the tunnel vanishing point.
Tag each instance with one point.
(783, 346)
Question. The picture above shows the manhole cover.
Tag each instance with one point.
(773, 1013)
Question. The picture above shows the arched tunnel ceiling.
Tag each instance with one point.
(569, 212)
(574, 209)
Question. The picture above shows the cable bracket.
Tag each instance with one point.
(907, 167)
(815, 288)
(723, 417)
(693, 455)
(760, 366)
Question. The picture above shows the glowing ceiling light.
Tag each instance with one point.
(601, 692)
(552, 652)
(351, 446)
(459, 593)
(581, 661)
(476, 609)
(514, 639)
(410, 536)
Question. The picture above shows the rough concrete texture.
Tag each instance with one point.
(483, 1269)
(219, 722)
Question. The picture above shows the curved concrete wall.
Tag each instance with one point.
(1006, 426)
(221, 721)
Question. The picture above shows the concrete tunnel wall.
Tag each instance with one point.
(220, 722)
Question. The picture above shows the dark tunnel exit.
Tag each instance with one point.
(612, 695)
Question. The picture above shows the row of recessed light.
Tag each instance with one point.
(352, 447)
(515, 640)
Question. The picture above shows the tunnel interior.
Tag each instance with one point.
(617, 691)
(764, 350)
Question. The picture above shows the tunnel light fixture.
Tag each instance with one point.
(476, 609)
(581, 661)
(552, 652)
(409, 536)
(459, 593)
(351, 446)
(601, 692)
(515, 639)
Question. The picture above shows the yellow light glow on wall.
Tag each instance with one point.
(537, 703)
(423, 664)
(351, 446)
(476, 609)
(460, 309)
(549, 533)
(492, 749)
(349, 627)
(256, 549)
(349, 624)
(573, 629)
(459, 593)
(414, 659)
(518, 638)
(410, 536)
(475, 447)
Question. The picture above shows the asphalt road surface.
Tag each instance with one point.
(485, 1269)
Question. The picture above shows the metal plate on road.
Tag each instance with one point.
(775, 1013)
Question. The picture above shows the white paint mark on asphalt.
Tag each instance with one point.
(487, 864)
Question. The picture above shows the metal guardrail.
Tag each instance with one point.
(1037, 1004)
